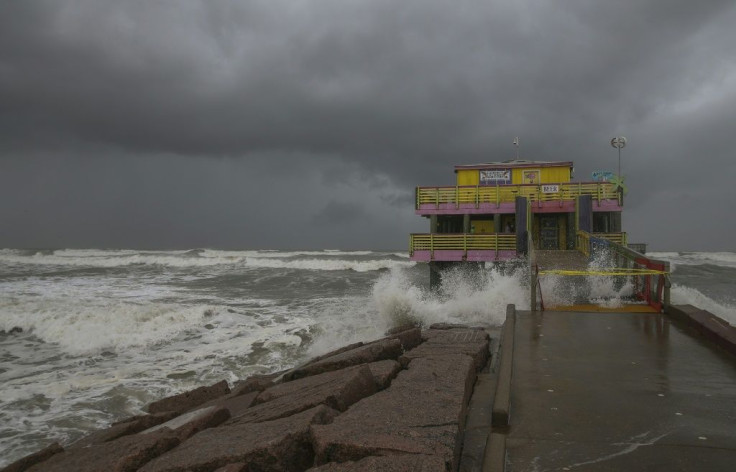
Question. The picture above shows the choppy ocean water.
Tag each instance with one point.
(105, 332)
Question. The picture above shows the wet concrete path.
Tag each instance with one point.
(618, 391)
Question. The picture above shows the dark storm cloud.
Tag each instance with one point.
(367, 98)
(339, 212)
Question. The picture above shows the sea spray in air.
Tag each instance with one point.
(682, 295)
(587, 285)
(471, 297)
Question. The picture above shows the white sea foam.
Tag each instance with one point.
(326, 264)
(122, 259)
(344, 320)
(204, 258)
(682, 295)
(274, 254)
(723, 259)
(95, 325)
(464, 297)
(89, 390)
(475, 298)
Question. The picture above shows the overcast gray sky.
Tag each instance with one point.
(308, 123)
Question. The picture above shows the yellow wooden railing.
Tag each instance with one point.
(582, 240)
(464, 242)
(618, 238)
(508, 193)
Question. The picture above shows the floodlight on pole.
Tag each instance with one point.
(619, 143)
(516, 143)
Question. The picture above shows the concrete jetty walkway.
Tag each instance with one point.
(618, 391)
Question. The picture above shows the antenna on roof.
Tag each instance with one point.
(516, 143)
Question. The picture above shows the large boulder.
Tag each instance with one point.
(191, 423)
(335, 352)
(24, 463)
(405, 463)
(121, 455)
(338, 390)
(422, 412)
(126, 427)
(238, 467)
(235, 404)
(188, 400)
(280, 445)
(384, 372)
(255, 383)
(441, 343)
(377, 351)
(409, 338)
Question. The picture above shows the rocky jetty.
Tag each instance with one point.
(395, 404)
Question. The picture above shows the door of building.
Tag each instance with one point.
(549, 234)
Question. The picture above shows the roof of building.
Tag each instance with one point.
(513, 163)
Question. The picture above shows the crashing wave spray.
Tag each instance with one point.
(469, 297)
(588, 287)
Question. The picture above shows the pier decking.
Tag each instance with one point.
(618, 391)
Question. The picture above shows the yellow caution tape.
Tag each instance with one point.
(604, 272)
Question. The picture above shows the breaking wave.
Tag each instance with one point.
(683, 295)
(470, 297)
(360, 261)
(92, 326)
(722, 259)
(326, 264)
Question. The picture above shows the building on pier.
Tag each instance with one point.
(491, 210)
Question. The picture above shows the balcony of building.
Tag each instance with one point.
(545, 198)
(456, 247)
(462, 247)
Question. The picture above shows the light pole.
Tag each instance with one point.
(619, 142)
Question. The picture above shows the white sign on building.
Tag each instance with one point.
(496, 176)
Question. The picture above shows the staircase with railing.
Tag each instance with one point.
(648, 277)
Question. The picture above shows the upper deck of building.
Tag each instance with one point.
(494, 186)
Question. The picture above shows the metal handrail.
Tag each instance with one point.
(652, 285)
